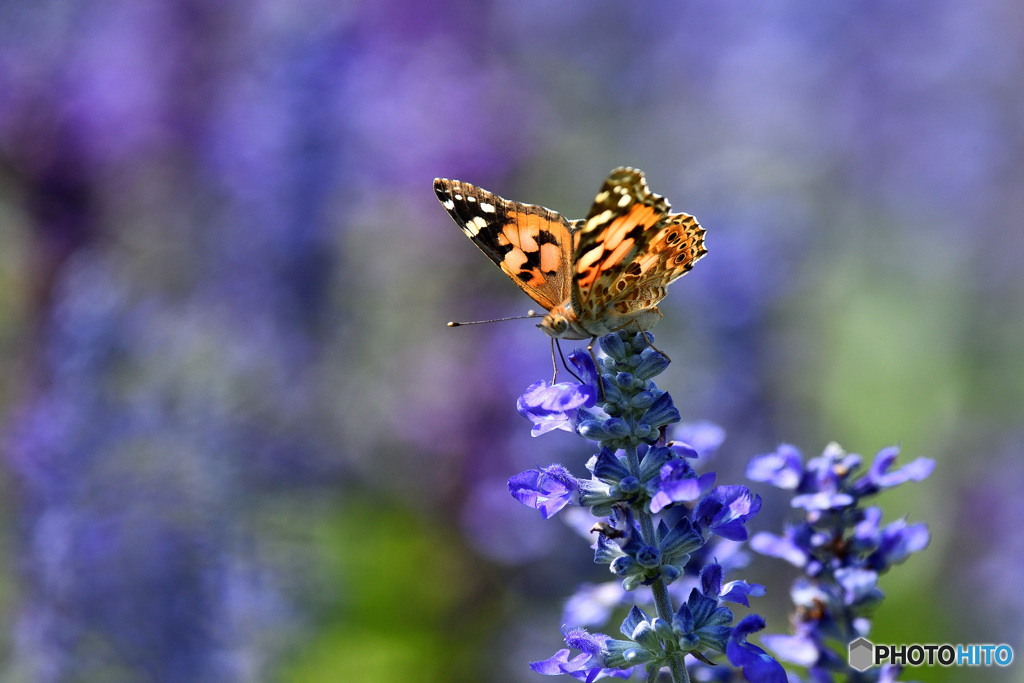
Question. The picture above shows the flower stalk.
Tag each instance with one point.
(656, 518)
(841, 548)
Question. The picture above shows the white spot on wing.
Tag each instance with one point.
(597, 220)
(624, 200)
(448, 204)
(586, 260)
(473, 226)
(486, 208)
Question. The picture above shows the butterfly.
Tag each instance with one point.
(595, 275)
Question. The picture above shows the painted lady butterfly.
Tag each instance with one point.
(595, 275)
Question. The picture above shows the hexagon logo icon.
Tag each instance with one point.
(862, 654)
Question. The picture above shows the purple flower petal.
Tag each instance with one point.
(554, 406)
(796, 649)
(758, 666)
(783, 468)
(548, 489)
(585, 666)
(738, 591)
(679, 483)
(896, 543)
(585, 367)
(726, 509)
(822, 500)
(781, 547)
(879, 477)
(859, 584)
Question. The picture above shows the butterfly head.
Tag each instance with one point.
(555, 325)
(561, 323)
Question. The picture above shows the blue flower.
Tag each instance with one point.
(635, 476)
(820, 616)
(828, 499)
(661, 412)
(798, 649)
(758, 666)
(739, 591)
(554, 406)
(701, 622)
(784, 468)
(585, 367)
(586, 666)
(593, 604)
(726, 509)
(547, 489)
(679, 483)
(879, 477)
(860, 586)
(840, 546)
(891, 545)
(822, 486)
(793, 546)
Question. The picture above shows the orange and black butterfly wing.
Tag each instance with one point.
(533, 245)
(630, 247)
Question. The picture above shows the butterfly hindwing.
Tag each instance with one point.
(630, 247)
(677, 244)
(533, 245)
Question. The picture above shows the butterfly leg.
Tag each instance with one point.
(650, 342)
(597, 368)
(554, 363)
(554, 340)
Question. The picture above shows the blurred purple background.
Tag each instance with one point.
(241, 445)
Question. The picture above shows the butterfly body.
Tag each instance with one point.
(562, 322)
(595, 275)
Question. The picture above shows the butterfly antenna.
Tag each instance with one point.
(529, 314)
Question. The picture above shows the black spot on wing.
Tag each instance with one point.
(489, 235)
(532, 260)
(546, 237)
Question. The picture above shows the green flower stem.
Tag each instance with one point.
(662, 600)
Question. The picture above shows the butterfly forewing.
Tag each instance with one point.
(533, 245)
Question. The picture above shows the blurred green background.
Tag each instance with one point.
(239, 443)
